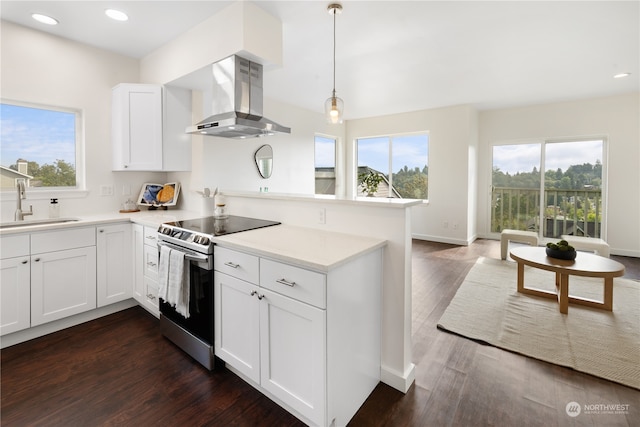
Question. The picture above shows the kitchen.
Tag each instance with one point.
(30, 73)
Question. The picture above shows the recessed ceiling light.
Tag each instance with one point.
(44, 19)
(116, 14)
(621, 75)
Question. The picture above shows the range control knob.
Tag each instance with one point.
(202, 240)
(164, 230)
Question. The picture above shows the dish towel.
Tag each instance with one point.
(163, 272)
(173, 275)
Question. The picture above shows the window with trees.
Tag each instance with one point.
(40, 144)
(551, 187)
(399, 163)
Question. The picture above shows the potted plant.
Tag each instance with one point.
(370, 182)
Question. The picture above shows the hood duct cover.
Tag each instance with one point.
(237, 102)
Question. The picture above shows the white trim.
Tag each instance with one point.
(401, 382)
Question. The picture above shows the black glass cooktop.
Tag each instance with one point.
(220, 227)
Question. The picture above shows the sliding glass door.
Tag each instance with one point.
(564, 199)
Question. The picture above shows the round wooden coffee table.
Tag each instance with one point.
(585, 264)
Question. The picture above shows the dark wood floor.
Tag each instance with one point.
(118, 370)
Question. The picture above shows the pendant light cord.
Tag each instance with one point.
(334, 53)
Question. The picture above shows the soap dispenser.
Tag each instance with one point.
(54, 209)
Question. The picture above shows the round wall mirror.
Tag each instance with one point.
(264, 160)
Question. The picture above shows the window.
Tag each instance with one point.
(40, 144)
(325, 163)
(552, 188)
(401, 161)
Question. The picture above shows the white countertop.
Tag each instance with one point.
(307, 247)
(389, 202)
(150, 218)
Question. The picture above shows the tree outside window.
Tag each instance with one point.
(401, 161)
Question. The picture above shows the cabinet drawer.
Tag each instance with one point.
(295, 282)
(52, 241)
(14, 246)
(236, 264)
(151, 261)
(150, 236)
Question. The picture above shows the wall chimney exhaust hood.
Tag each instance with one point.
(237, 102)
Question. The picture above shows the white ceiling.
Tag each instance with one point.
(398, 56)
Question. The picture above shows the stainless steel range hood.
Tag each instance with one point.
(237, 102)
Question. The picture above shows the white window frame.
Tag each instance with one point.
(543, 143)
(79, 190)
(390, 163)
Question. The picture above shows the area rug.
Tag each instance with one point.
(605, 344)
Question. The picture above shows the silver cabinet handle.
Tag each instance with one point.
(152, 264)
(286, 282)
(256, 293)
(151, 237)
(37, 260)
(232, 265)
(151, 297)
(25, 261)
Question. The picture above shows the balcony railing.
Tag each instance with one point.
(577, 212)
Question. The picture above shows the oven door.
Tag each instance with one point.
(200, 320)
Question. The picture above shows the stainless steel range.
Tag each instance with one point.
(194, 238)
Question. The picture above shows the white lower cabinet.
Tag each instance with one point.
(237, 324)
(293, 354)
(15, 294)
(63, 283)
(145, 261)
(273, 327)
(114, 264)
(15, 284)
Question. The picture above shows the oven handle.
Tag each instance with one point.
(187, 253)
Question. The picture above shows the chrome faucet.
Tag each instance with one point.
(22, 194)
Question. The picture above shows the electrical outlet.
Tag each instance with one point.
(106, 190)
(322, 216)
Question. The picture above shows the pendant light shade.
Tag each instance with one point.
(334, 106)
(333, 109)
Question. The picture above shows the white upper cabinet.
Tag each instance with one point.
(147, 128)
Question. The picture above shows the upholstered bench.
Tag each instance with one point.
(516, 236)
(598, 246)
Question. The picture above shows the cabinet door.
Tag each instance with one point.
(237, 327)
(293, 349)
(151, 302)
(62, 284)
(137, 127)
(115, 273)
(138, 263)
(15, 294)
(151, 262)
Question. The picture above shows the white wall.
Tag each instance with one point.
(616, 118)
(43, 69)
(229, 163)
(452, 139)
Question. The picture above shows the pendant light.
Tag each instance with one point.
(334, 106)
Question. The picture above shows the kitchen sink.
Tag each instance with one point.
(28, 223)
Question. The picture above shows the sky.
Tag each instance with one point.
(408, 150)
(36, 135)
(523, 157)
